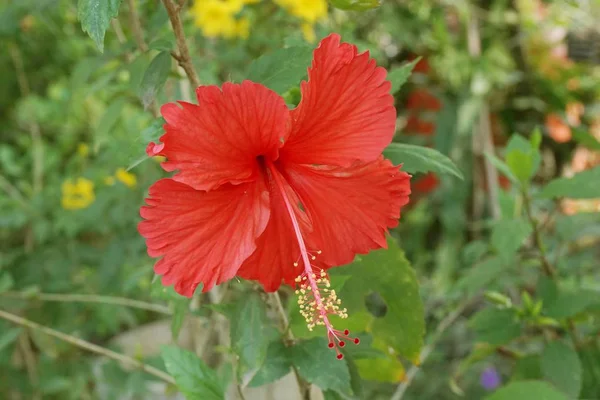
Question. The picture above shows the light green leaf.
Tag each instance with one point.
(508, 236)
(180, 309)
(6, 282)
(421, 159)
(108, 120)
(193, 378)
(522, 158)
(561, 366)
(277, 364)
(527, 390)
(249, 337)
(502, 167)
(355, 5)
(155, 77)
(495, 326)
(8, 337)
(281, 69)
(389, 274)
(399, 75)
(584, 185)
(317, 364)
(95, 16)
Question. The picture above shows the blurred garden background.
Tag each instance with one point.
(503, 241)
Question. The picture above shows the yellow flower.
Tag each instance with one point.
(77, 194)
(109, 180)
(217, 18)
(126, 178)
(308, 10)
(308, 31)
(83, 150)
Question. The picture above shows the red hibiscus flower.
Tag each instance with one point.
(278, 195)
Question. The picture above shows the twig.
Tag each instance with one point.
(289, 336)
(441, 328)
(30, 363)
(483, 142)
(183, 58)
(89, 298)
(136, 26)
(87, 346)
(547, 267)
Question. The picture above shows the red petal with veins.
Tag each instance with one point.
(350, 208)
(217, 141)
(202, 237)
(277, 248)
(346, 113)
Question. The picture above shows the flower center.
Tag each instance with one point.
(315, 297)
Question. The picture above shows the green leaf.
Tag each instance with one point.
(585, 139)
(277, 364)
(355, 5)
(561, 366)
(480, 275)
(502, 167)
(583, 185)
(522, 158)
(8, 337)
(421, 159)
(527, 390)
(6, 282)
(527, 368)
(108, 120)
(95, 16)
(495, 326)
(399, 75)
(570, 303)
(508, 236)
(155, 77)
(281, 69)
(249, 337)
(317, 364)
(180, 309)
(193, 378)
(389, 274)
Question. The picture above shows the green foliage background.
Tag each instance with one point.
(479, 274)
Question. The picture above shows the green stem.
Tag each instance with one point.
(83, 344)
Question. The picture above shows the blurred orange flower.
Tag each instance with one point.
(557, 129)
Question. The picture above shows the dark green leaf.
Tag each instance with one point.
(421, 159)
(276, 365)
(281, 69)
(390, 275)
(155, 77)
(583, 185)
(561, 366)
(249, 337)
(495, 326)
(95, 16)
(527, 368)
(317, 364)
(399, 75)
(589, 354)
(508, 236)
(355, 5)
(527, 390)
(193, 378)
(480, 275)
(586, 140)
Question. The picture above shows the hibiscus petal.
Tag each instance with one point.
(202, 237)
(277, 248)
(346, 113)
(350, 208)
(218, 141)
